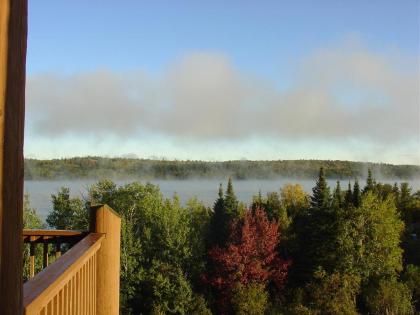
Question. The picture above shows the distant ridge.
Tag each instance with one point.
(129, 168)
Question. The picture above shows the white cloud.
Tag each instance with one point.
(338, 94)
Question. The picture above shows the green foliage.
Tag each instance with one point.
(411, 277)
(333, 294)
(321, 196)
(199, 306)
(294, 199)
(370, 182)
(275, 208)
(168, 287)
(389, 296)
(369, 238)
(226, 209)
(314, 235)
(345, 248)
(348, 197)
(250, 299)
(337, 201)
(231, 202)
(68, 213)
(156, 247)
(31, 219)
(357, 196)
(199, 221)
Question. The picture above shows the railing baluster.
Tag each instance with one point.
(83, 288)
(94, 282)
(88, 287)
(45, 255)
(55, 304)
(73, 296)
(32, 257)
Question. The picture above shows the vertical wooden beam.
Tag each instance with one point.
(107, 221)
(13, 33)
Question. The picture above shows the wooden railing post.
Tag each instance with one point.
(107, 221)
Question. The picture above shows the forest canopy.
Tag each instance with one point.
(335, 251)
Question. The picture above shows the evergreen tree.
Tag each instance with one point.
(321, 196)
(258, 202)
(405, 196)
(370, 182)
(337, 196)
(396, 191)
(348, 198)
(218, 228)
(231, 202)
(315, 233)
(356, 194)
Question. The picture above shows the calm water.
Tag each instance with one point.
(204, 189)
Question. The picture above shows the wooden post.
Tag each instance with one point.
(107, 221)
(13, 33)
(45, 258)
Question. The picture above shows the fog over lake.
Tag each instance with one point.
(204, 189)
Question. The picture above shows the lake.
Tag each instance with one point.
(204, 189)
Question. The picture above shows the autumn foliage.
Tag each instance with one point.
(250, 256)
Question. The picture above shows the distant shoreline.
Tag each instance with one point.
(147, 169)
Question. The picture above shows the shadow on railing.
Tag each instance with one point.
(85, 279)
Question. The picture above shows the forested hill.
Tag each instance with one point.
(124, 168)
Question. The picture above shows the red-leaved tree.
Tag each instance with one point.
(249, 257)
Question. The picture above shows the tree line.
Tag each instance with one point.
(124, 168)
(350, 250)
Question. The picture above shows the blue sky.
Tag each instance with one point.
(254, 58)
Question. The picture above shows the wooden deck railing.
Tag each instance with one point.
(85, 279)
(68, 286)
(46, 237)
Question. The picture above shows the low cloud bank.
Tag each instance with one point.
(343, 92)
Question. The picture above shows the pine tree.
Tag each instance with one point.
(231, 202)
(321, 196)
(396, 191)
(356, 194)
(337, 196)
(316, 234)
(370, 182)
(218, 228)
(348, 198)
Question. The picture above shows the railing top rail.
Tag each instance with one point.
(29, 232)
(57, 273)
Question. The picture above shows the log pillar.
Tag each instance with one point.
(107, 221)
(13, 33)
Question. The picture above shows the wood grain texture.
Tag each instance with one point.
(107, 221)
(13, 34)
